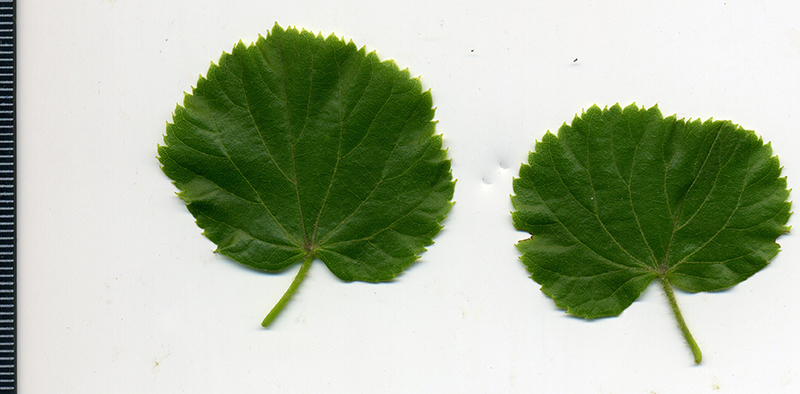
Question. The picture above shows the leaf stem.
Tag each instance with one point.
(290, 291)
(681, 323)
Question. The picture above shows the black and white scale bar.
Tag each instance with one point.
(8, 193)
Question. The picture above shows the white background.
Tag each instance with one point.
(119, 292)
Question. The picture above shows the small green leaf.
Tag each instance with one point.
(624, 196)
(300, 147)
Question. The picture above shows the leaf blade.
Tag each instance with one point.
(650, 195)
(299, 146)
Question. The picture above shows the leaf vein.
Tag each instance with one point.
(251, 235)
(174, 135)
(382, 180)
(230, 159)
(697, 175)
(387, 226)
(338, 155)
(724, 226)
(592, 213)
(257, 128)
(291, 139)
(630, 192)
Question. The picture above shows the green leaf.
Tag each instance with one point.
(300, 147)
(624, 196)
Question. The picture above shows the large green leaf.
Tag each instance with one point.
(622, 197)
(300, 147)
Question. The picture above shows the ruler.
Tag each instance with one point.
(8, 193)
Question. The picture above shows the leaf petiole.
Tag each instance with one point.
(290, 291)
(698, 356)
